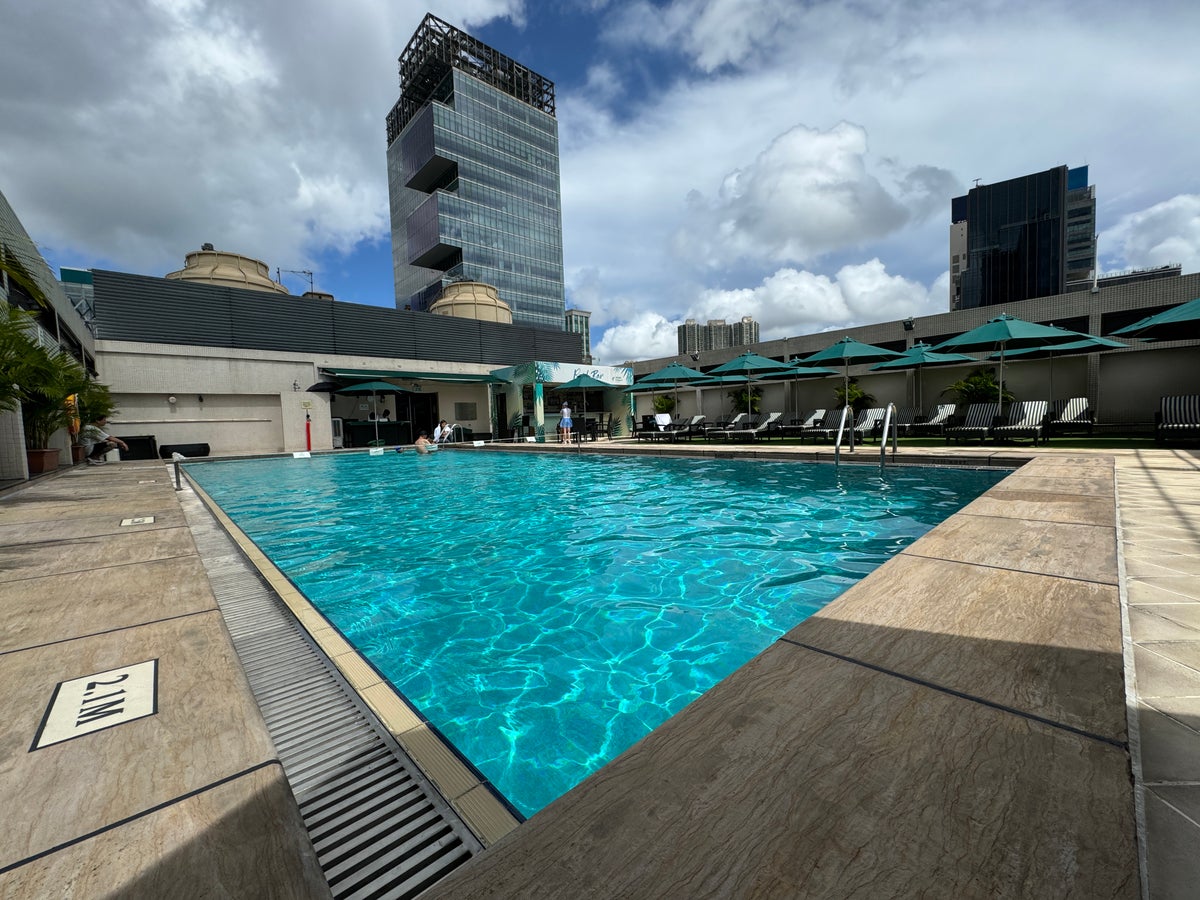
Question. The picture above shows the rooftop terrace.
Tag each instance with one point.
(1009, 707)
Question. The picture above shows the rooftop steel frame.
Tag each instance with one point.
(437, 47)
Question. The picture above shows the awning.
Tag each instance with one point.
(457, 377)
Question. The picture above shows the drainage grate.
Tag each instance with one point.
(378, 827)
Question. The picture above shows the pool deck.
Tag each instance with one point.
(1009, 707)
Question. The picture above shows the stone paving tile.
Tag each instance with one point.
(90, 553)
(92, 525)
(1165, 622)
(1049, 647)
(44, 610)
(1168, 746)
(243, 838)
(775, 782)
(1173, 863)
(1085, 552)
(1175, 589)
(207, 727)
(1160, 676)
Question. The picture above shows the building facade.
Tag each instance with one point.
(1033, 236)
(717, 334)
(473, 177)
(578, 322)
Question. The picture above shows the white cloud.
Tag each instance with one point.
(645, 335)
(1167, 232)
(786, 303)
(156, 127)
(806, 194)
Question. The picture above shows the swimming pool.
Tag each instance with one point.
(545, 611)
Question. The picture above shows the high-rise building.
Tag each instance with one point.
(473, 176)
(579, 322)
(693, 337)
(1027, 237)
(743, 333)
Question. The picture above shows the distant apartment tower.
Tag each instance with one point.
(1033, 236)
(693, 337)
(579, 322)
(473, 176)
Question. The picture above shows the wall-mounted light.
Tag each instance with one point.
(908, 324)
(199, 398)
(172, 400)
(295, 385)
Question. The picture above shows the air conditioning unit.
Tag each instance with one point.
(336, 425)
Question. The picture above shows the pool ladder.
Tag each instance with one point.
(889, 426)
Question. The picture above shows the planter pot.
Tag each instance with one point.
(42, 460)
(78, 454)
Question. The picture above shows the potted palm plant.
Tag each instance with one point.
(47, 384)
(47, 380)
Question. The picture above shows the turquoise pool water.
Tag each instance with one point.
(545, 611)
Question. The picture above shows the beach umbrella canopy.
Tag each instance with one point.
(1180, 323)
(323, 387)
(1086, 344)
(848, 352)
(1005, 333)
(749, 364)
(794, 373)
(918, 356)
(373, 388)
(672, 375)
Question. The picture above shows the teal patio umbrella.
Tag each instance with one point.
(582, 383)
(848, 352)
(796, 372)
(671, 375)
(749, 364)
(1005, 333)
(1086, 344)
(1180, 323)
(373, 388)
(918, 356)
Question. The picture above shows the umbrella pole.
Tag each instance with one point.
(374, 410)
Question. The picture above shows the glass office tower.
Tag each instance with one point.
(1027, 237)
(473, 176)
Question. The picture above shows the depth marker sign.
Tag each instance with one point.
(95, 702)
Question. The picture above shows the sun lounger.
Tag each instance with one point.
(828, 427)
(977, 425)
(714, 429)
(796, 426)
(868, 421)
(1071, 416)
(683, 429)
(752, 434)
(1177, 417)
(1025, 419)
(935, 424)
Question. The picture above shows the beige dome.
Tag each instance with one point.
(228, 269)
(472, 300)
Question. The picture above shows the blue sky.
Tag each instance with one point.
(790, 161)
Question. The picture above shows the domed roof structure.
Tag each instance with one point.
(228, 269)
(472, 300)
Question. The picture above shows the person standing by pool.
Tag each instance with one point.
(564, 424)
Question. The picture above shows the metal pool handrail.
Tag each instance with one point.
(837, 448)
(887, 422)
